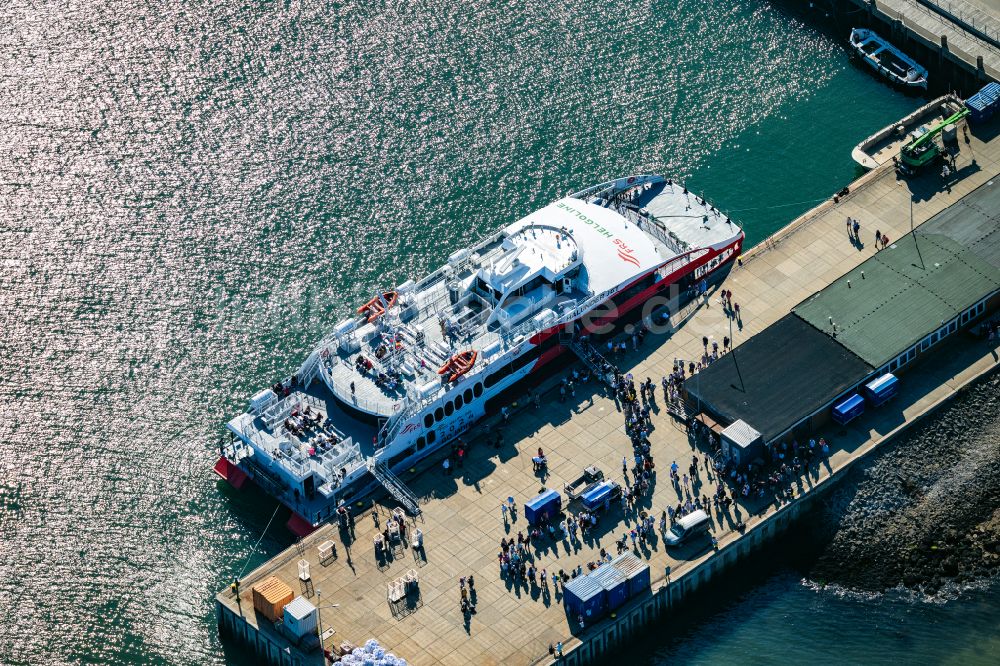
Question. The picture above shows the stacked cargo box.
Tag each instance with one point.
(636, 572)
(607, 588)
(984, 103)
(270, 596)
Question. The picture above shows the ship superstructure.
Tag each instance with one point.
(417, 365)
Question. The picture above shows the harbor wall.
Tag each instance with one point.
(265, 647)
(951, 68)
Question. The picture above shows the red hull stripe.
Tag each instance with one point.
(299, 526)
(230, 473)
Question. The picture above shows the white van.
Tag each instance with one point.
(691, 525)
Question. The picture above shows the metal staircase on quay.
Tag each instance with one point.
(590, 357)
(394, 486)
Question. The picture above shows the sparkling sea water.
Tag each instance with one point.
(192, 193)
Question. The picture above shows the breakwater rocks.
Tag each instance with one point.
(924, 512)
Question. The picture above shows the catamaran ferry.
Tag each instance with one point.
(417, 365)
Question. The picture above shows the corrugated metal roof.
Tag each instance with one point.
(740, 432)
(583, 587)
(629, 564)
(300, 608)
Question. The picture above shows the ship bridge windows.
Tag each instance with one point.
(449, 408)
(477, 390)
(468, 396)
(459, 401)
(428, 420)
(439, 414)
(483, 288)
(531, 285)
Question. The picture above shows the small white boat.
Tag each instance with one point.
(887, 60)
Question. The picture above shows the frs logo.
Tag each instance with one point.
(409, 428)
(625, 253)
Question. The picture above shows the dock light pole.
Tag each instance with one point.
(914, 234)
(319, 614)
(732, 352)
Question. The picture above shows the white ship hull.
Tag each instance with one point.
(514, 339)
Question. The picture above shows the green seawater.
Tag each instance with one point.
(192, 193)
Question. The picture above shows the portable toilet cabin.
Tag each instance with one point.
(741, 443)
(585, 596)
(614, 583)
(594, 498)
(300, 617)
(848, 409)
(636, 572)
(881, 390)
(547, 504)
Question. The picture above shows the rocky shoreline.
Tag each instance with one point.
(925, 512)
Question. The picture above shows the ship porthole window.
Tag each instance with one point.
(421, 443)
(449, 408)
(428, 420)
(478, 389)
(438, 414)
(468, 396)
(459, 401)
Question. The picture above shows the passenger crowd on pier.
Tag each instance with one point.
(783, 465)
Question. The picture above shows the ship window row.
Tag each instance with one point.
(424, 440)
(453, 405)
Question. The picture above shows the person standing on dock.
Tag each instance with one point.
(857, 230)
(878, 238)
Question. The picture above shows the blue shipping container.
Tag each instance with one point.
(614, 583)
(548, 504)
(585, 596)
(849, 409)
(880, 390)
(635, 571)
(984, 103)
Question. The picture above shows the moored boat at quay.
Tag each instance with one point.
(419, 364)
(888, 61)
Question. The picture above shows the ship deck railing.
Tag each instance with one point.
(275, 442)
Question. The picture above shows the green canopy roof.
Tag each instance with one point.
(901, 295)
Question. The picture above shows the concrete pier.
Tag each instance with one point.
(461, 518)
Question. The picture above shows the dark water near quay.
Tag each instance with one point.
(193, 192)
